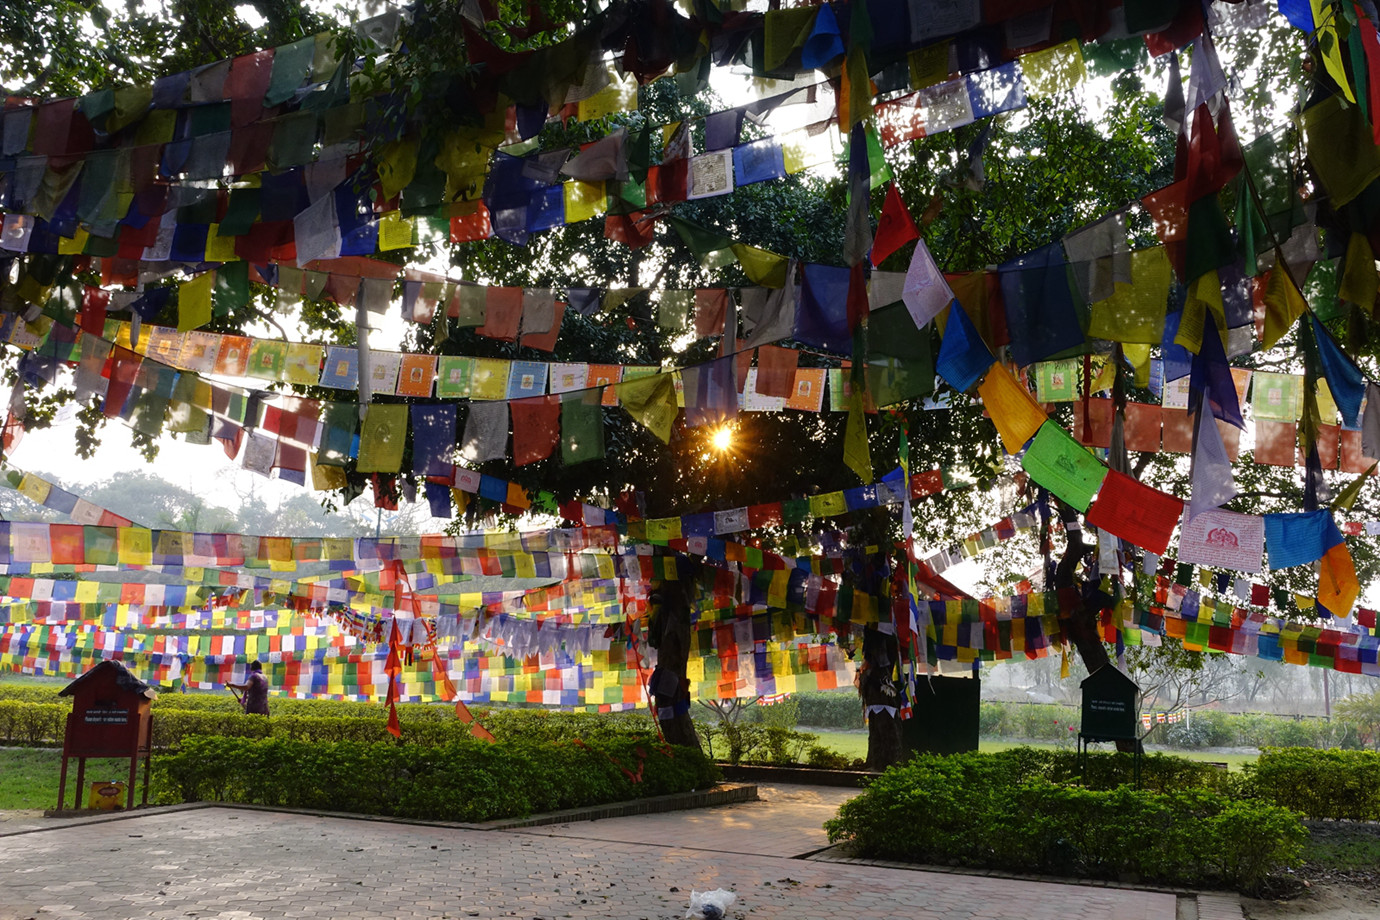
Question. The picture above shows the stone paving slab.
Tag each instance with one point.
(250, 865)
(786, 820)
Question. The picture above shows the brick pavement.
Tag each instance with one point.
(245, 865)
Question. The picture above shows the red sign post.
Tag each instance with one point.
(110, 718)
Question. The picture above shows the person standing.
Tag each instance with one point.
(254, 690)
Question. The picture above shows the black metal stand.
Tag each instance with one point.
(1085, 740)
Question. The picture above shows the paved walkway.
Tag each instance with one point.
(237, 864)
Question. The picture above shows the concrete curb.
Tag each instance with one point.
(83, 817)
(838, 853)
(723, 794)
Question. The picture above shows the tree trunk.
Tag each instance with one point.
(1083, 631)
(877, 687)
(669, 634)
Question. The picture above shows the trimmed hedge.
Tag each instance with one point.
(979, 810)
(1319, 784)
(36, 724)
(1206, 728)
(458, 781)
(32, 724)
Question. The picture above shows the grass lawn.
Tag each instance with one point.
(29, 777)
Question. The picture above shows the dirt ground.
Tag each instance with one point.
(1340, 880)
(1323, 901)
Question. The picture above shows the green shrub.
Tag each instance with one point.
(823, 758)
(459, 781)
(988, 810)
(840, 709)
(738, 742)
(32, 723)
(1319, 784)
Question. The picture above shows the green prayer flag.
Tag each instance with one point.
(582, 427)
(471, 302)
(1065, 467)
(900, 359)
(242, 212)
(1209, 241)
(146, 413)
(101, 546)
(673, 310)
(294, 140)
(291, 64)
(232, 287)
(713, 249)
(382, 438)
(266, 359)
(1056, 381)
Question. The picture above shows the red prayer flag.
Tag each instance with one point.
(1135, 512)
(632, 230)
(472, 227)
(894, 229)
(776, 370)
(1098, 431)
(503, 313)
(536, 428)
(711, 311)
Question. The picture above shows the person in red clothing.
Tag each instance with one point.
(254, 690)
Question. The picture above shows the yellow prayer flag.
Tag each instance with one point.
(397, 165)
(395, 232)
(1359, 282)
(219, 248)
(279, 551)
(929, 65)
(34, 489)
(135, 546)
(651, 401)
(1014, 411)
(489, 378)
(1138, 356)
(762, 267)
(620, 95)
(1330, 44)
(194, 302)
(382, 438)
(584, 200)
(1053, 70)
(1283, 304)
(856, 454)
(75, 245)
(326, 478)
